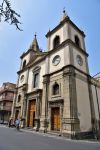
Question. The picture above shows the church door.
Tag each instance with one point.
(55, 119)
(32, 111)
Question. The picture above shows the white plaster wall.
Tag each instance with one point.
(62, 33)
(52, 37)
(75, 32)
(19, 104)
(27, 58)
(57, 77)
(25, 79)
(66, 56)
(75, 53)
(42, 73)
(65, 32)
(83, 104)
(30, 78)
(60, 65)
(47, 65)
(95, 102)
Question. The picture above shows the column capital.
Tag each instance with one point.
(46, 79)
(69, 71)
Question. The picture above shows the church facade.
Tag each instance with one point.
(55, 92)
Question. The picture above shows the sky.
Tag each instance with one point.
(39, 16)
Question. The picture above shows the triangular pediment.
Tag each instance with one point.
(36, 58)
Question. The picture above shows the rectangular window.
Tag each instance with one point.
(36, 80)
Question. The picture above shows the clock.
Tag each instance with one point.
(56, 60)
(79, 60)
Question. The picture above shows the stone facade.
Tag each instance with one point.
(55, 92)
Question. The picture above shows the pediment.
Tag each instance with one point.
(36, 59)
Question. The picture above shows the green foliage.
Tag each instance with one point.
(8, 14)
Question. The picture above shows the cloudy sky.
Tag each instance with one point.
(40, 16)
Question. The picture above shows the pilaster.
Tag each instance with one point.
(93, 119)
(37, 118)
(70, 122)
(24, 105)
(13, 105)
(44, 115)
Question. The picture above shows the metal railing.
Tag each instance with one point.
(6, 108)
(6, 98)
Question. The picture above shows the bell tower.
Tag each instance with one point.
(68, 36)
(68, 67)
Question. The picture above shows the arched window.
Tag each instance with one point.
(22, 78)
(77, 41)
(56, 42)
(19, 98)
(36, 75)
(36, 80)
(56, 89)
(24, 64)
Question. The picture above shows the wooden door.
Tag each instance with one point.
(32, 110)
(55, 119)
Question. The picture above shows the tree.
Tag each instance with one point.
(9, 14)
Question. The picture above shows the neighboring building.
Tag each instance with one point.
(98, 78)
(55, 92)
(6, 100)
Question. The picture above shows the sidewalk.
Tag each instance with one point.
(51, 135)
(55, 135)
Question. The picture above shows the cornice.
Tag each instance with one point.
(94, 82)
(66, 42)
(45, 54)
(67, 19)
(38, 61)
(35, 91)
(37, 53)
(32, 63)
(65, 67)
(25, 53)
(22, 86)
(21, 71)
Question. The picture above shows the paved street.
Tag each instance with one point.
(10, 139)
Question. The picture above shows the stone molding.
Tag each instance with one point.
(46, 79)
(67, 42)
(70, 120)
(56, 102)
(66, 20)
(69, 71)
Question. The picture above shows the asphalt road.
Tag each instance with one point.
(10, 139)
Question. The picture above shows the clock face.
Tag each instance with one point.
(56, 60)
(79, 60)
